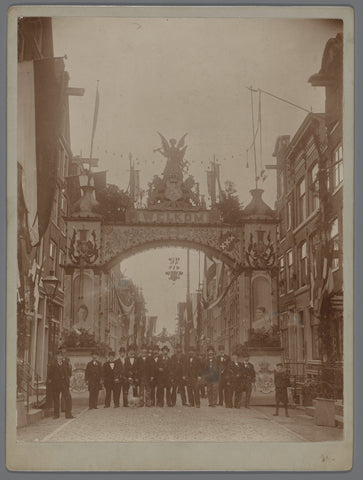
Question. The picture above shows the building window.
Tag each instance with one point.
(303, 265)
(338, 167)
(40, 249)
(62, 257)
(63, 204)
(281, 184)
(282, 279)
(289, 214)
(314, 188)
(315, 342)
(55, 206)
(290, 271)
(314, 241)
(53, 256)
(63, 207)
(301, 207)
(300, 336)
(334, 238)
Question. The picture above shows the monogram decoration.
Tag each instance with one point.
(83, 249)
(260, 254)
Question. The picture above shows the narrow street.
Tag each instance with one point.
(178, 424)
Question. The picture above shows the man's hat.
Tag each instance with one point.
(279, 364)
(122, 349)
(220, 347)
(155, 347)
(143, 347)
(111, 354)
(131, 347)
(165, 347)
(210, 349)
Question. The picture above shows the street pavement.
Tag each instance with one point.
(178, 423)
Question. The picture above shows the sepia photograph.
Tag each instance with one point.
(181, 223)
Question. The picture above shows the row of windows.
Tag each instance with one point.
(307, 192)
(59, 209)
(293, 276)
(300, 337)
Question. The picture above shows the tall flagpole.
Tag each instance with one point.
(186, 340)
(253, 136)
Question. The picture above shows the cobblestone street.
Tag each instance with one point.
(178, 424)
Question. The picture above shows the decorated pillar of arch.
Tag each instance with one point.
(83, 264)
(260, 239)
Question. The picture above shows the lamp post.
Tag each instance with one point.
(50, 284)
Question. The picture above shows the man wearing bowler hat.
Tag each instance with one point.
(124, 384)
(191, 375)
(222, 362)
(155, 370)
(248, 377)
(93, 379)
(211, 375)
(58, 379)
(163, 378)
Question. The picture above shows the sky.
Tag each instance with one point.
(177, 76)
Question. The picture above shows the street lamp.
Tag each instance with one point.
(50, 284)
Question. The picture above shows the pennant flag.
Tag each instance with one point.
(95, 117)
(151, 326)
(100, 181)
(326, 286)
(217, 281)
(26, 148)
(48, 87)
(209, 274)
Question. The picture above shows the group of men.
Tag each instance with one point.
(155, 378)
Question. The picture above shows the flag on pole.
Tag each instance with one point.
(217, 282)
(95, 117)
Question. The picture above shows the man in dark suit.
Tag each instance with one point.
(177, 362)
(163, 378)
(211, 376)
(222, 362)
(248, 378)
(121, 367)
(191, 375)
(93, 378)
(145, 376)
(282, 382)
(153, 382)
(111, 377)
(65, 358)
(58, 380)
(132, 369)
(234, 382)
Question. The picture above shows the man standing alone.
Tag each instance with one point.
(58, 381)
(282, 381)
